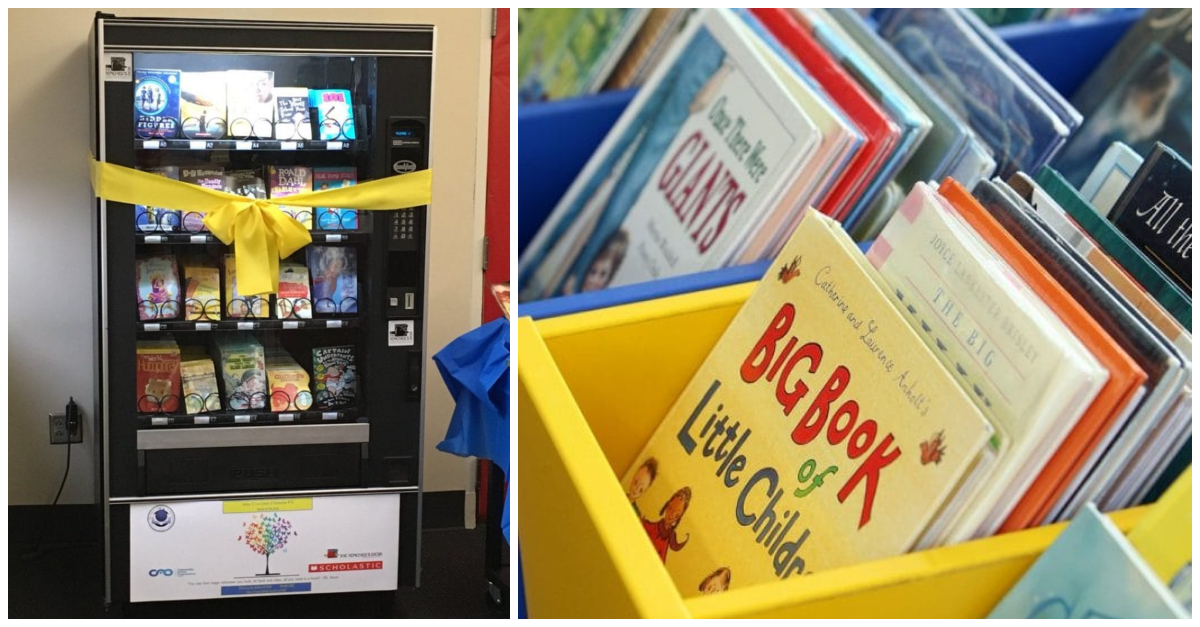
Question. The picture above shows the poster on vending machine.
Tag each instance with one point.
(301, 545)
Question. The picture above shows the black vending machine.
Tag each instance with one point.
(259, 444)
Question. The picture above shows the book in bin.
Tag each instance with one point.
(1091, 571)
(707, 150)
(819, 432)
(1155, 213)
(1021, 365)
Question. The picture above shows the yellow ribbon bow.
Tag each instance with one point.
(260, 231)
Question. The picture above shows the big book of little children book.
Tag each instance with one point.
(819, 432)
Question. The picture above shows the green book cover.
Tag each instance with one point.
(1117, 246)
(570, 52)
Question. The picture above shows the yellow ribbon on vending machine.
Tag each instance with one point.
(260, 232)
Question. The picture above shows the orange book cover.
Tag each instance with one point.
(1125, 376)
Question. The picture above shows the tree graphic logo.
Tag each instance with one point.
(266, 534)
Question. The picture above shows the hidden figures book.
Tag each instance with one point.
(819, 432)
(156, 103)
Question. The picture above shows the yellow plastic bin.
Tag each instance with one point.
(592, 387)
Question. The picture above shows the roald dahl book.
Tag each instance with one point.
(288, 181)
(819, 432)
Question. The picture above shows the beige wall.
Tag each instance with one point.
(50, 311)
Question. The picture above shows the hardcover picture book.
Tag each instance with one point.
(1020, 365)
(209, 177)
(840, 141)
(819, 432)
(1125, 375)
(335, 113)
(202, 105)
(335, 377)
(1091, 571)
(202, 293)
(1114, 243)
(707, 149)
(250, 100)
(200, 392)
(294, 299)
(248, 183)
(158, 389)
(1141, 93)
(648, 47)
(156, 103)
(1001, 106)
(570, 52)
(334, 271)
(158, 295)
(237, 304)
(292, 121)
(243, 370)
(915, 124)
(289, 383)
(290, 180)
(333, 218)
(1155, 213)
(880, 133)
(159, 219)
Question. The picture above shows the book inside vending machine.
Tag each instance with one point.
(259, 444)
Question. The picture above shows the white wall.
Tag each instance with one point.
(50, 308)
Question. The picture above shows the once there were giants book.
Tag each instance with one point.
(695, 162)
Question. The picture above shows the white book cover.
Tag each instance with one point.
(838, 137)
(706, 147)
(1110, 177)
(1017, 361)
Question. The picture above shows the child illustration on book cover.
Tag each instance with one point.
(716, 582)
(641, 482)
(159, 293)
(682, 92)
(602, 269)
(662, 531)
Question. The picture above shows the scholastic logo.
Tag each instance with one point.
(343, 566)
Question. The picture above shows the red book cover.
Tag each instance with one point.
(880, 131)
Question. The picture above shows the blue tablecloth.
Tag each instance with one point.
(475, 369)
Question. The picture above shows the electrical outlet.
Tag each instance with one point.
(58, 429)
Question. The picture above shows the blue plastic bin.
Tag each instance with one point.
(557, 138)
